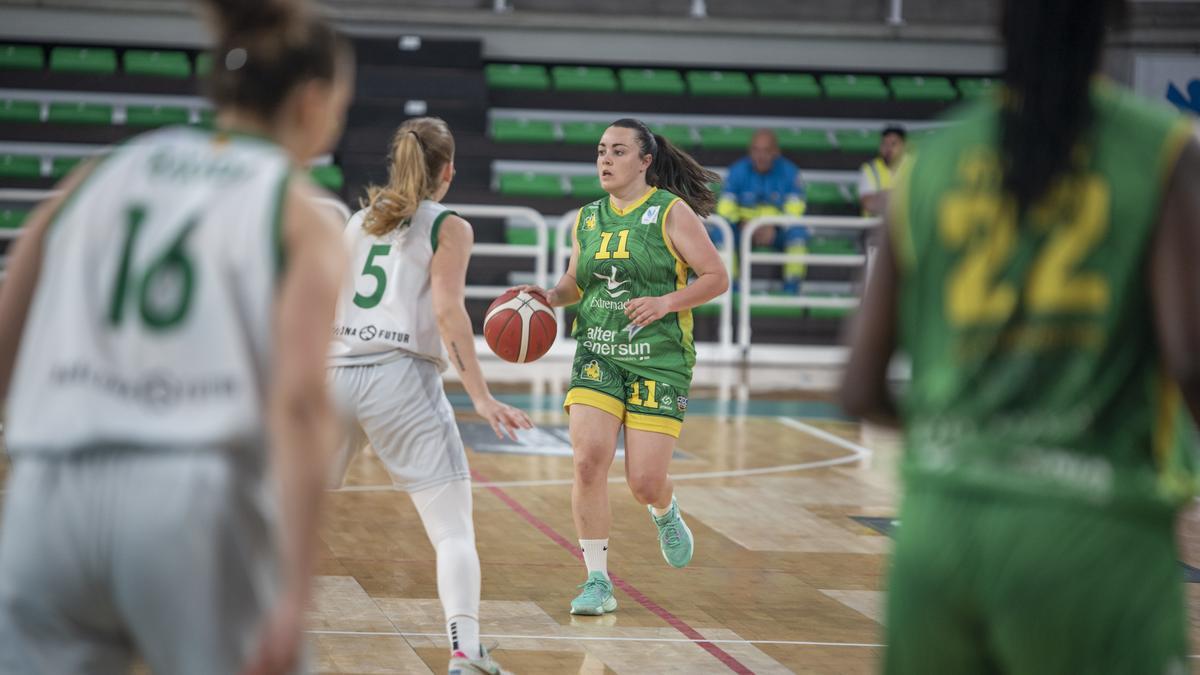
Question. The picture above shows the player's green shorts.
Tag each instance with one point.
(991, 585)
(640, 403)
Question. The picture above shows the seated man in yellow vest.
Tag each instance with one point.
(875, 177)
(766, 184)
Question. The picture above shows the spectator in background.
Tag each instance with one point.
(875, 177)
(766, 184)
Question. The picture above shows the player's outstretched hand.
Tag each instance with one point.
(645, 311)
(278, 650)
(504, 418)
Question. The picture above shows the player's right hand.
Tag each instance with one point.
(543, 293)
(504, 419)
(279, 644)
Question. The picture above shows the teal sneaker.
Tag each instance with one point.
(674, 537)
(596, 598)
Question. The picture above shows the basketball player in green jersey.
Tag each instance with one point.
(1039, 268)
(633, 254)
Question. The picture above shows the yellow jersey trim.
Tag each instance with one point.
(656, 423)
(594, 399)
(686, 320)
(1177, 138)
(632, 207)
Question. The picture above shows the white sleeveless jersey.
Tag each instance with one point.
(386, 306)
(151, 321)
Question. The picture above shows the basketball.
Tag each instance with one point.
(520, 326)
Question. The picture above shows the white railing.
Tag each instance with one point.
(539, 251)
(749, 259)
(726, 250)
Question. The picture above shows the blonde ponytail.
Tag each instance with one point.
(421, 149)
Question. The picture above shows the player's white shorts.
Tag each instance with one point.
(112, 552)
(401, 408)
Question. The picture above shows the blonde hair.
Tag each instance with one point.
(420, 150)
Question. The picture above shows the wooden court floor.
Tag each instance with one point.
(786, 501)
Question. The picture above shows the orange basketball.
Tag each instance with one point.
(520, 326)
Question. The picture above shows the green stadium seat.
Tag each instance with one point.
(20, 166)
(776, 311)
(719, 83)
(157, 63)
(828, 312)
(586, 187)
(203, 64)
(20, 111)
(825, 194)
(61, 166)
(787, 85)
(21, 57)
(12, 219)
(650, 81)
(531, 185)
(516, 76)
(804, 140)
(725, 138)
(679, 134)
(328, 176)
(858, 87)
(583, 133)
(79, 113)
(922, 89)
(857, 140)
(208, 118)
(833, 246)
(155, 116)
(584, 78)
(527, 236)
(974, 87)
(522, 131)
(715, 187)
(83, 60)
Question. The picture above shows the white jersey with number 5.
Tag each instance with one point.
(151, 322)
(386, 307)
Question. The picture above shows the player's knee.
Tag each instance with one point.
(590, 470)
(646, 488)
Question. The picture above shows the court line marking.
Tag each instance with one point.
(639, 597)
(859, 453)
(602, 638)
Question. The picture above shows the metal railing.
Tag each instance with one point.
(540, 251)
(749, 259)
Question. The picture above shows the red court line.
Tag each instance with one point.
(641, 598)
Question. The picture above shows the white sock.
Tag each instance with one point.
(595, 555)
(662, 512)
(463, 632)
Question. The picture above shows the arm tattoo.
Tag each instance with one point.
(458, 357)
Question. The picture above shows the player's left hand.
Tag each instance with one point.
(645, 311)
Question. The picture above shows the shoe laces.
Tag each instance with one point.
(593, 585)
(670, 534)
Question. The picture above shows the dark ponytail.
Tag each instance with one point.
(1053, 49)
(673, 169)
(265, 48)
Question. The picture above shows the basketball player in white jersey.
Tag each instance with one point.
(163, 335)
(401, 307)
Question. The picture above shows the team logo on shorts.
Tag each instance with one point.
(591, 371)
(589, 223)
(666, 401)
(681, 403)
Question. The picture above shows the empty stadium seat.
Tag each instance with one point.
(522, 131)
(12, 219)
(203, 64)
(516, 76)
(583, 133)
(922, 89)
(328, 176)
(679, 134)
(787, 85)
(973, 87)
(155, 116)
(584, 78)
(21, 57)
(61, 166)
(857, 140)
(651, 81)
(157, 63)
(858, 87)
(83, 60)
(804, 140)
(20, 111)
(725, 138)
(531, 185)
(208, 118)
(586, 187)
(719, 83)
(20, 166)
(79, 113)
(825, 194)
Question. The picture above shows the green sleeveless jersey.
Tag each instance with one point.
(1034, 364)
(625, 255)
